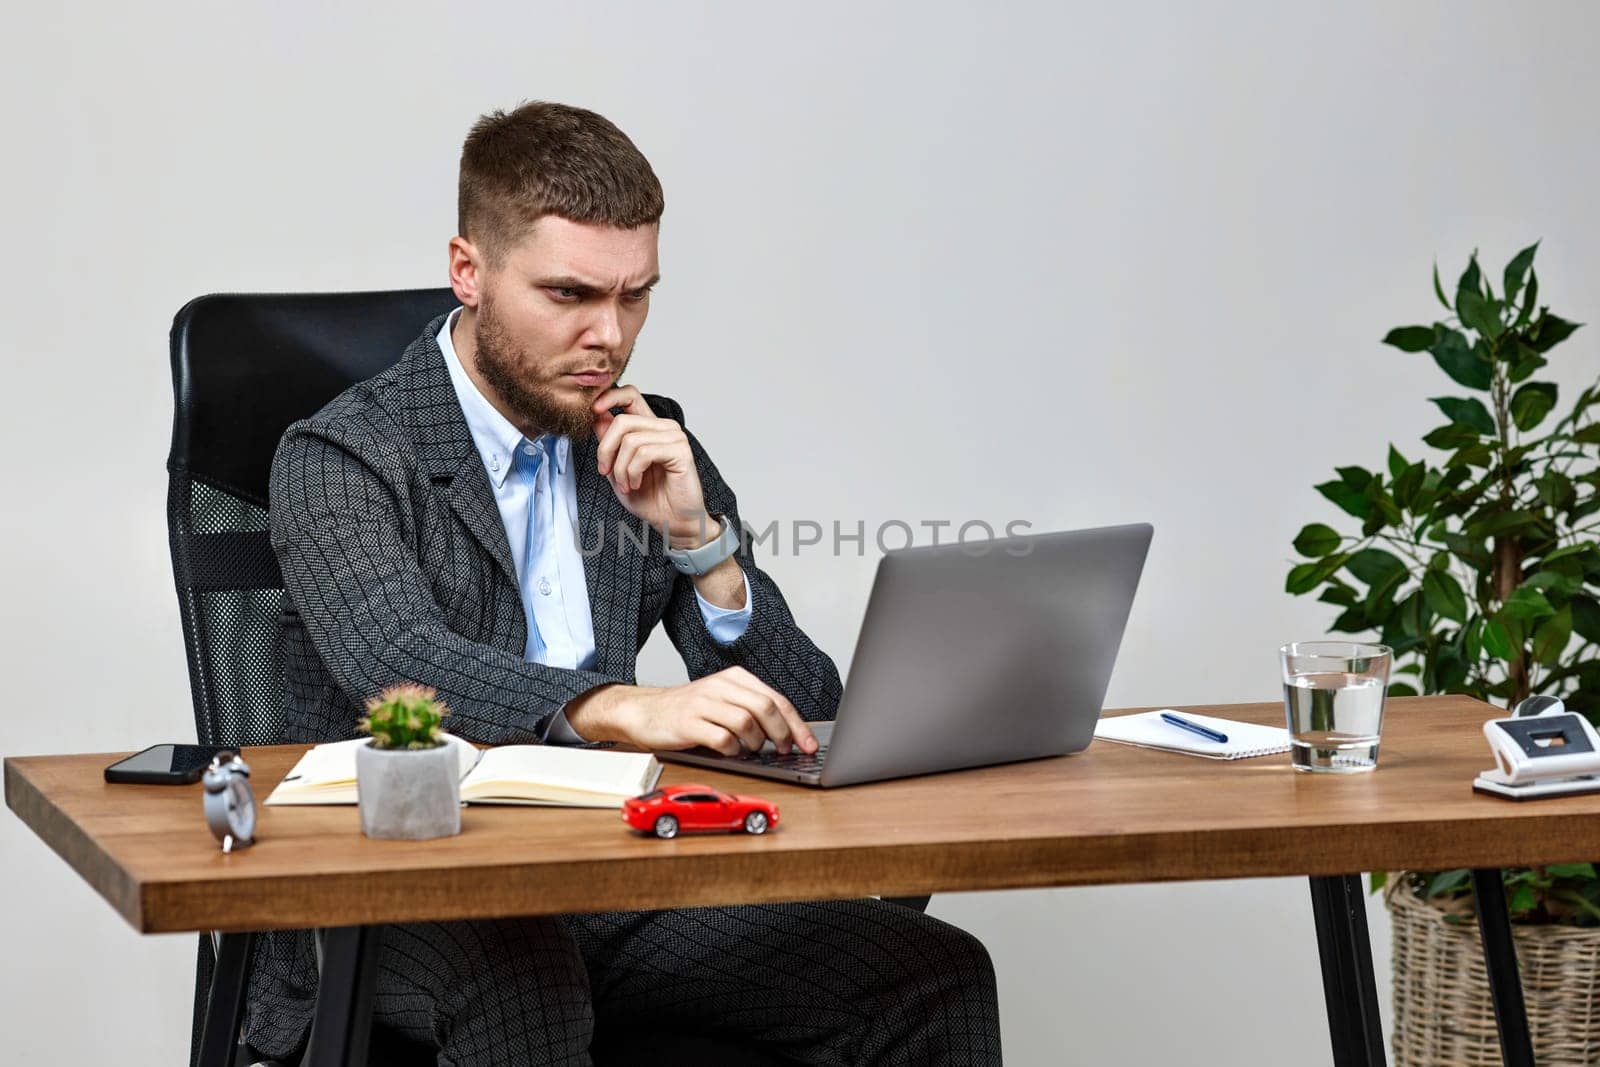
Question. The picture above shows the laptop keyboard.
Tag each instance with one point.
(796, 760)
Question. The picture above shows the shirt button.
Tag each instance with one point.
(530, 450)
(494, 463)
(544, 586)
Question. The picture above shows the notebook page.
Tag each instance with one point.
(326, 773)
(584, 770)
(1149, 730)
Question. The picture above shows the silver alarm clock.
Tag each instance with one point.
(230, 803)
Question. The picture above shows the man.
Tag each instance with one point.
(499, 517)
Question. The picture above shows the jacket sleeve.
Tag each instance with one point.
(344, 543)
(772, 647)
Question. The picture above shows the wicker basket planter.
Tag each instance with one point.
(1443, 1016)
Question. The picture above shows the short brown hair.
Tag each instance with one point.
(550, 159)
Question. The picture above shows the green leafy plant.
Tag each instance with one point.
(1481, 572)
(1566, 893)
(405, 716)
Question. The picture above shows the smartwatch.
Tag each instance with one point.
(697, 561)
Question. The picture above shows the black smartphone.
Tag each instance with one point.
(165, 764)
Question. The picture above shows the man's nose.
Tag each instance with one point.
(605, 326)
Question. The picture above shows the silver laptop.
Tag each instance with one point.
(971, 655)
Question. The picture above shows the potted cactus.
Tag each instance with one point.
(408, 775)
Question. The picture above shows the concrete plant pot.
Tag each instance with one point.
(408, 794)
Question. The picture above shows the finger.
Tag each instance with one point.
(737, 720)
(621, 396)
(633, 440)
(605, 451)
(799, 729)
(713, 736)
(633, 463)
(774, 724)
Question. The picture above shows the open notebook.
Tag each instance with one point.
(508, 774)
(1148, 730)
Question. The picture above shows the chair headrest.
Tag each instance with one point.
(245, 366)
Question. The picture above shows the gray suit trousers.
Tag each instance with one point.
(835, 982)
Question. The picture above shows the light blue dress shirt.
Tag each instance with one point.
(536, 489)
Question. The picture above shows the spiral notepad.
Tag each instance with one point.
(1148, 730)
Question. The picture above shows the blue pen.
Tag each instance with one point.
(1194, 727)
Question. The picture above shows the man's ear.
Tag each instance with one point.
(466, 271)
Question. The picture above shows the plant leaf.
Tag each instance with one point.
(1571, 870)
(1438, 290)
(1373, 565)
(1444, 595)
(1339, 593)
(1526, 603)
(1305, 577)
(1530, 300)
(1516, 270)
(1397, 462)
(1453, 435)
(1549, 331)
(1496, 639)
(1467, 411)
(1410, 338)
(1351, 501)
(1479, 313)
(1530, 362)
(1458, 359)
(1551, 638)
(1521, 900)
(1317, 540)
(1586, 618)
(1470, 278)
(1472, 640)
(1402, 689)
(1531, 403)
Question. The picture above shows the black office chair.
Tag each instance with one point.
(244, 368)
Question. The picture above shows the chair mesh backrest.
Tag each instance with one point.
(235, 658)
(244, 367)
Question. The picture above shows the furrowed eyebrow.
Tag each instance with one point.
(588, 287)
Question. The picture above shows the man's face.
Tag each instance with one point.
(557, 320)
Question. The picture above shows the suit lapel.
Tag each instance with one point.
(472, 499)
(612, 566)
(445, 452)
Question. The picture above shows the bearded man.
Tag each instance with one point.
(457, 521)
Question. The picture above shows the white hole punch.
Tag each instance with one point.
(1542, 751)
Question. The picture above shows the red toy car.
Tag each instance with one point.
(665, 811)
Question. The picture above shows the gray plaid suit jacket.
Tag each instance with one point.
(396, 568)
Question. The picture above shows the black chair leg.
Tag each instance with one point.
(341, 1030)
(204, 962)
(225, 1008)
(1347, 982)
(1500, 958)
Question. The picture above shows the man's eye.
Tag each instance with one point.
(565, 294)
(638, 295)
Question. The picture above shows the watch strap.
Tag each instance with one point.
(697, 561)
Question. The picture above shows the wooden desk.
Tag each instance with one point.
(1112, 814)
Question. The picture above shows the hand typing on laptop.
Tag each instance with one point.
(722, 711)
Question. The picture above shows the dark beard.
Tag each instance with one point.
(538, 408)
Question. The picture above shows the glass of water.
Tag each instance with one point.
(1333, 696)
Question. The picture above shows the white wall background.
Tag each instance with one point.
(1067, 264)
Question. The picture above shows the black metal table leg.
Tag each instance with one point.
(225, 1005)
(342, 1025)
(1347, 981)
(1500, 958)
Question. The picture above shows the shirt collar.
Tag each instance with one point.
(493, 434)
